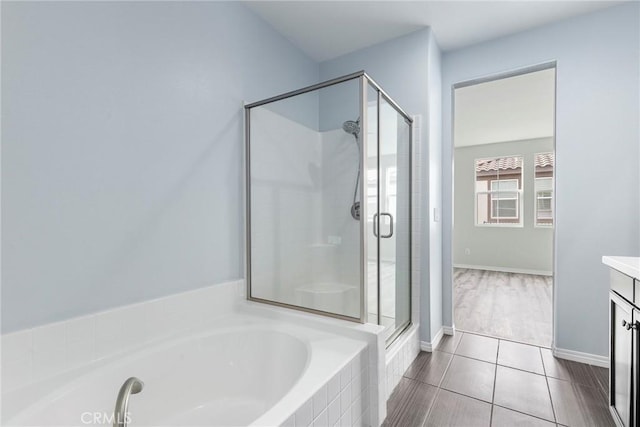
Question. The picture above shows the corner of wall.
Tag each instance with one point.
(434, 213)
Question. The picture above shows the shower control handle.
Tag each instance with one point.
(386, 236)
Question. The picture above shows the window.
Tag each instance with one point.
(504, 199)
(498, 191)
(544, 164)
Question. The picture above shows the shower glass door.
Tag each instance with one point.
(371, 191)
(328, 175)
(394, 165)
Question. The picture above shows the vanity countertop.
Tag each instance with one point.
(628, 265)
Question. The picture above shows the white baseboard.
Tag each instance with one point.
(577, 356)
(449, 330)
(505, 269)
(429, 346)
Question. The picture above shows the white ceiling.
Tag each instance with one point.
(328, 29)
(510, 109)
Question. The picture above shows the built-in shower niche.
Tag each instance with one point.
(311, 240)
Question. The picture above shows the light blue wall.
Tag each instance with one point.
(597, 152)
(338, 103)
(122, 148)
(434, 129)
(402, 67)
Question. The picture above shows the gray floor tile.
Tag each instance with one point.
(520, 396)
(602, 377)
(449, 343)
(503, 417)
(523, 392)
(409, 404)
(578, 405)
(397, 401)
(451, 409)
(567, 370)
(429, 367)
(520, 356)
(470, 377)
(478, 347)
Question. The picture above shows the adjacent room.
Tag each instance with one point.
(503, 205)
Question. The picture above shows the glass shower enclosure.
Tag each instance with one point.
(328, 206)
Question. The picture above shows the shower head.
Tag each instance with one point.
(352, 127)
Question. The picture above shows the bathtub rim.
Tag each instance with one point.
(67, 382)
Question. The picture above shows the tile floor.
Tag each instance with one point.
(474, 380)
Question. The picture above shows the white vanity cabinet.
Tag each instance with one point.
(624, 328)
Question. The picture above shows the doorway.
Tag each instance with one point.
(503, 216)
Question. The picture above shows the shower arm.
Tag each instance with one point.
(355, 190)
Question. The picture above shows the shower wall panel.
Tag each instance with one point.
(339, 168)
(285, 204)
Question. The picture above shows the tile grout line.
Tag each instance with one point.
(446, 370)
(520, 369)
(485, 361)
(553, 409)
(495, 380)
(525, 413)
(459, 341)
(544, 368)
(467, 396)
(438, 387)
(546, 380)
(433, 403)
(504, 339)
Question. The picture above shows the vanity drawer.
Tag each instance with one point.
(624, 286)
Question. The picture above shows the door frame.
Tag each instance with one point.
(485, 79)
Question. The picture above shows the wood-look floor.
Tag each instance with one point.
(473, 380)
(505, 305)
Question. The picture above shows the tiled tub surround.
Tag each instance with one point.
(400, 356)
(294, 359)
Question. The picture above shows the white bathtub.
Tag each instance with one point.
(245, 371)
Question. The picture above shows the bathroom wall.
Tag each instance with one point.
(338, 103)
(597, 129)
(122, 148)
(528, 249)
(432, 216)
(402, 66)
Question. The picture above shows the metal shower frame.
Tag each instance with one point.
(365, 81)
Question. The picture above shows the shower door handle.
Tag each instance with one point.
(386, 236)
(375, 225)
